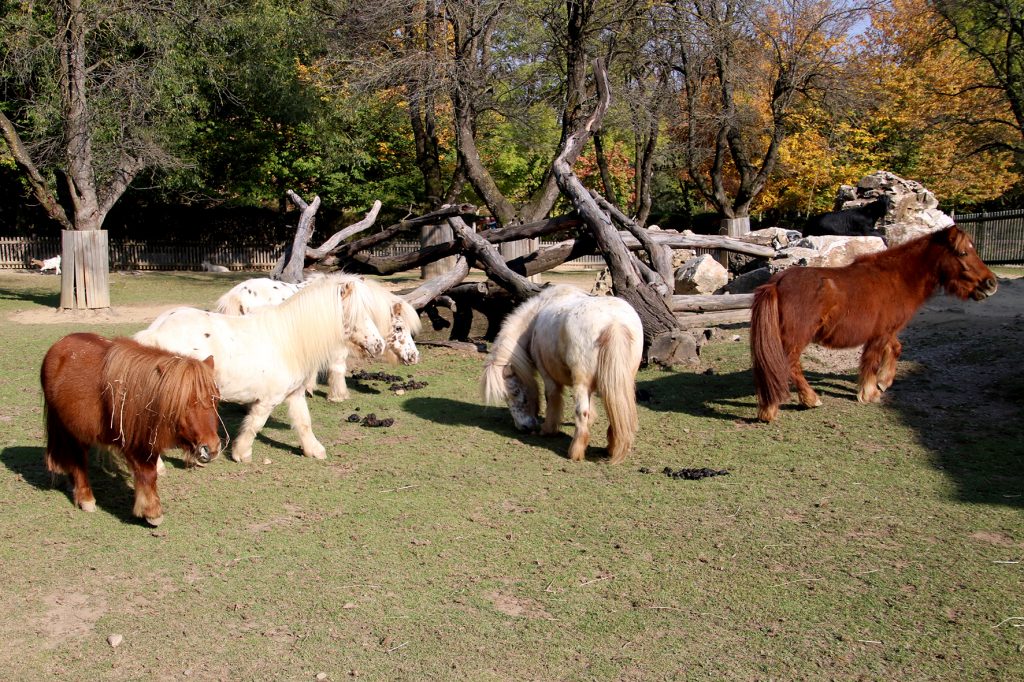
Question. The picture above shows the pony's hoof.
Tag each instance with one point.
(243, 457)
(88, 505)
(155, 520)
(161, 468)
(318, 453)
(338, 397)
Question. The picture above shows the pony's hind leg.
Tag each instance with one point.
(147, 499)
(298, 412)
(584, 418)
(808, 398)
(552, 408)
(65, 455)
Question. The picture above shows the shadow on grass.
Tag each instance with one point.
(110, 483)
(980, 447)
(47, 299)
(498, 421)
(726, 396)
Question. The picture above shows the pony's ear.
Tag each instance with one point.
(208, 361)
(346, 289)
(396, 309)
(959, 241)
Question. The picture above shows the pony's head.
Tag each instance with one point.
(523, 400)
(405, 323)
(159, 400)
(197, 421)
(961, 271)
(359, 325)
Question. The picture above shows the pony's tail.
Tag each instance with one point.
(229, 304)
(771, 368)
(616, 382)
(492, 384)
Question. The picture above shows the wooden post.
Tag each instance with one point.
(519, 249)
(732, 227)
(85, 266)
(429, 236)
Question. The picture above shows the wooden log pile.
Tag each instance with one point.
(639, 260)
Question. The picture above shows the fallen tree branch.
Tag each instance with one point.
(492, 262)
(713, 302)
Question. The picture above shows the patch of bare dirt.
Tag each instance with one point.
(122, 314)
(518, 607)
(70, 615)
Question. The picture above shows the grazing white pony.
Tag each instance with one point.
(396, 320)
(591, 343)
(263, 360)
(48, 264)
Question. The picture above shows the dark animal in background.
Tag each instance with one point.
(865, 303)
(858, 221)
(122, 395)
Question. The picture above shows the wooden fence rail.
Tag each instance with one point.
(17, 252)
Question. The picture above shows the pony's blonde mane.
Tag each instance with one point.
(380, 301)
(313, 322)
(150, 390)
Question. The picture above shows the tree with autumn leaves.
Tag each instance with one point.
(737, 105)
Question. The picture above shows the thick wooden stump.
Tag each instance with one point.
(85, 264)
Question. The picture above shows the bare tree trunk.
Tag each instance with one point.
(289, 267)
(663, 340)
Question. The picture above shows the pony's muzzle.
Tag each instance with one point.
(985, 289)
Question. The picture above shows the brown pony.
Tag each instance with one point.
(120, 394)
(865, 303)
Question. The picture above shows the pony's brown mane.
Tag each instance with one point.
(918, 257)
(149, 390)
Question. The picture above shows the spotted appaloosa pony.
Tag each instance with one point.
(122, 395)
(591, 343)
(263, 360)
(865, 303)
(396, 320)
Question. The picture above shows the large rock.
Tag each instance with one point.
(913, 209)
(833, 252)
(700, 275)
(775, 237)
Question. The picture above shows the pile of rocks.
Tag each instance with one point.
(913, 211)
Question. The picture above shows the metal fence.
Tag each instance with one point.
(998, 236)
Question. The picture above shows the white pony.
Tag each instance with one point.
(591, 343)
(263, 360)
(396, 320)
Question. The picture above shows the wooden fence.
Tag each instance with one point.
(17, 252)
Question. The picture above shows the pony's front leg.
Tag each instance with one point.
(147, 499)
(298, 412)
(584, 418)
(553, 407)
(337, 390)
(887, 370)
(871, 360)
(258, 414)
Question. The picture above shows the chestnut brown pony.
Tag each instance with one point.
(122, 395)
(865, 303)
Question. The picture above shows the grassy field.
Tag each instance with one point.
(875, 542)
